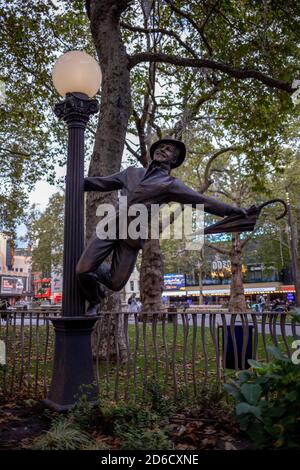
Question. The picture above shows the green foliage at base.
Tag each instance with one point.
(130, 426)
(268, 402)
(63, 435)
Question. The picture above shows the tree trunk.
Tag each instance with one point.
(151, 276)
(237, 302)
(115, 109)
(297, 294)
(105, 337)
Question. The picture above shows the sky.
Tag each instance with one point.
(40, 196)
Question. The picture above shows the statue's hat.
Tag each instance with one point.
(170, 140)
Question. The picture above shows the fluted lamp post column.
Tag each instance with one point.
(76, 77)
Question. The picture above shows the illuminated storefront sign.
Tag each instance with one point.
(174, 281)
(13, 285)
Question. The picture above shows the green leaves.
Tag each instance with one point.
(267, 402)
(252, 392)
(32, 34)
(234, 391)
(45, 233)
(255, 364)
(245, 408)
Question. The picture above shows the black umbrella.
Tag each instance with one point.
(243, 223)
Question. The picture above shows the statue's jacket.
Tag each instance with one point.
(155, 185)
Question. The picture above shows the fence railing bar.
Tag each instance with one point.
(28, 372)
(174, 356)
(136, 348)
(275, 329)
(37, 351)
(245, 327)
(185, 325)
(203, 344)
(128, 353)
(5, 377)
(194, 349)
(283, 333)
(263, 334)
(108, 355)
(145, 349)
(155, 347)
(233, 339)
(99, 327)
(45, 355)
(213, 334)
(255, 337)
(14, 347)
(225, 343)
(117, 376)
(294, 328)
(166, 353)
(272, 330)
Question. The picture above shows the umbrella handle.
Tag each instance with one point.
(272, 202)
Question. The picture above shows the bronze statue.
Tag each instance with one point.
(153, 185)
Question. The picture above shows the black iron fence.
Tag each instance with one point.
(177, 352)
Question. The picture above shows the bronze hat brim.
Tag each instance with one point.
(176, 142)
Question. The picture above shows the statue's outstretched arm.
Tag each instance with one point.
(181, 193)
(105, 183)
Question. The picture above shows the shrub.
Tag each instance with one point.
(82, 413)
(268, 401)
(138, 427)
(129, 416)
(150, 439)
(62, 435)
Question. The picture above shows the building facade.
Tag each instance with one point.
(15, 271)
(214, 287)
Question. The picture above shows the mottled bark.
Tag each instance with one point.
(105, 337)
(151, 277)
(115, 109)
(237, 302)
(297, 227)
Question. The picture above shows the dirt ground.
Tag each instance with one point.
(22, 422)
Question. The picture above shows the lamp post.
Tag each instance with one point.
(77, 77)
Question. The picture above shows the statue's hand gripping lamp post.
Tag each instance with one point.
(77, 76)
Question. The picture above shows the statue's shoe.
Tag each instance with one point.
(92, 310)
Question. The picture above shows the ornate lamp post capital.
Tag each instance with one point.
(76, 109)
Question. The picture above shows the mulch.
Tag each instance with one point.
(21, 422)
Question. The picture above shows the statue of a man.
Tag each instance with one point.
(153, 185)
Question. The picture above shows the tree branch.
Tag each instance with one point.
(222, 251)
(132, 151)
(198, 28)
(240, 74)
(246, 240)
(14, 152)
(165, 31)
(207, 172)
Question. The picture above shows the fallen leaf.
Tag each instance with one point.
(229, 446)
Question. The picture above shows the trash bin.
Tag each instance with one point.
(239, 334)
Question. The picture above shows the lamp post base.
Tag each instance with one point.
(73, 373)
